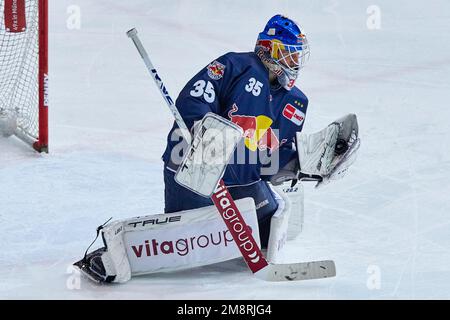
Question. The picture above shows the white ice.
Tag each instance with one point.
(386, 225)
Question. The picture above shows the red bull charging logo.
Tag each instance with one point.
(257, 131)
(216, 70)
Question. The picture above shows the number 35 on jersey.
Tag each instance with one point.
(254, 87)
(205, 89)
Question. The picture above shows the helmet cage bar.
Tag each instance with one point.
(290, 58)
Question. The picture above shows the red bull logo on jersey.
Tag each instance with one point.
(292, 113)
(216, 70)
(257, 131)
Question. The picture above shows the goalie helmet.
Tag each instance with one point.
(283, 49)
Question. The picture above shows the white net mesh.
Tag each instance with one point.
(19, 65)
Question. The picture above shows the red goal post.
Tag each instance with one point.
(24, 70)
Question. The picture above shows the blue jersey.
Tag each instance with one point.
(236, 86)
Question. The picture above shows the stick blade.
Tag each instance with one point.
(298, 271)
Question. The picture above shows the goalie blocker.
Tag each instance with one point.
(186, 239)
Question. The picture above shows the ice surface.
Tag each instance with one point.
(386, 225)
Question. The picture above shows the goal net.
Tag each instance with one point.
(23, 71)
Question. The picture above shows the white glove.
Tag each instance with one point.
(326, 155)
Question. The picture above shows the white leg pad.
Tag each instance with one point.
(168, 242)
(287, 222)
(115, 258)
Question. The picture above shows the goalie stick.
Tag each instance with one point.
(228, 210)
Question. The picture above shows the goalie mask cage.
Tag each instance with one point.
(24, 69)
